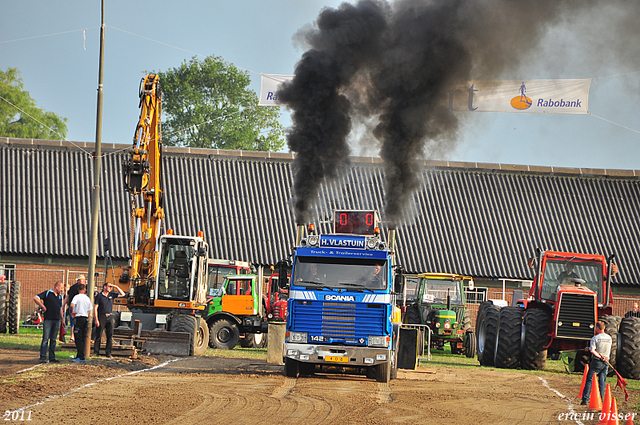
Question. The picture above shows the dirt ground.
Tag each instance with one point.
(215, 390)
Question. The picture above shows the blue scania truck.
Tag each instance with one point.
(342, 313)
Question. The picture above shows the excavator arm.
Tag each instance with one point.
(143, 180)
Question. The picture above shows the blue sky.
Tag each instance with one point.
(45, 41)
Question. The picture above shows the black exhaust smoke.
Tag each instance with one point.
(395, 62)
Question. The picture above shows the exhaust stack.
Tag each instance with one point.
(392, 239)
(299, 233)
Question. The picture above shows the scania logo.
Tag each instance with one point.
(339, 298)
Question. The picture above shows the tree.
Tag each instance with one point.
(20, 115)
(207, 104)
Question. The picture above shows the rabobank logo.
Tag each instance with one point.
(522, 102)
(339, 298)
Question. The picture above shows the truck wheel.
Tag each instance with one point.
(507, 351)
(383, 372)
(487, 324)
(611, 326)
(246, 342)
(258, 340)
(629, 355)
(536, 328)
(224, 335)
(291, 368)
(469, 344)
(3, 304)
(306, 369)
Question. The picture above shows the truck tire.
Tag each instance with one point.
(291, 368)
(201, 342)
(487, 324)
(507, 350)
(536, 328)
(629, 355)
(306, 369)
(223, 335)
(3, 305)
(258, 340)
(469, 344)
(383, 372)
(611, 326)
(13, 315)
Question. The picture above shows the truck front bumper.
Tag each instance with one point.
(337, 355)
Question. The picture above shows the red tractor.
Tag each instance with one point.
(569, 294)
(275, 300)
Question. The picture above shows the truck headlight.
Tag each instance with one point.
(377, 341)
(300, 337)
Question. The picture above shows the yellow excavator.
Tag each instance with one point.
(166, 280)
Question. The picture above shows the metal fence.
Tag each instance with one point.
(36, 281)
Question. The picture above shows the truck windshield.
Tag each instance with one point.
(217, 274)
(436, 291)
(344, 273)
(559, 272)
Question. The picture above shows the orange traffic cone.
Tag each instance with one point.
(595, 402)
(606, 407)
(629, 420)
(613, 413)
(584, 379)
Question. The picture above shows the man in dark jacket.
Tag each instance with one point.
(51, 302)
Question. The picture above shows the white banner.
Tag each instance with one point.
(269, 86)
(541, 96)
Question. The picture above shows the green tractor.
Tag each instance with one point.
(437, 300)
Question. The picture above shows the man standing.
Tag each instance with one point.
(102, 312)
(80, 308)
(72, 292)
(600, 349)
(634, 312)
(51, 302)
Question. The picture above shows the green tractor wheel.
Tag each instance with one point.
(469, 344)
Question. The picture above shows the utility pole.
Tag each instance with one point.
(96, 192)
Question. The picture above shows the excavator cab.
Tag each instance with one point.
(182, 269)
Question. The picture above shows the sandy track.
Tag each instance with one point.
(212, 390)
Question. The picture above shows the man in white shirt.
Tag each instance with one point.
(80, 307)
(600, 349)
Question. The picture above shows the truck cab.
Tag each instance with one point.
(342, 306)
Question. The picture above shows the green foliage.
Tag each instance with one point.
(19, 114)
(207, 104)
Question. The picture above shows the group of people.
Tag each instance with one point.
(77, 305)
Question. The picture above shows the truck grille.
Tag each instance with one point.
(339, 320)
(577, 313)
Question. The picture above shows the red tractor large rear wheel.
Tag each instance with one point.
(536, 325)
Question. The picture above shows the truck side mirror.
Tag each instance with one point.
(531, 262)
(398, 284)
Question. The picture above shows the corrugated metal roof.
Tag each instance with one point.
(482, 220)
